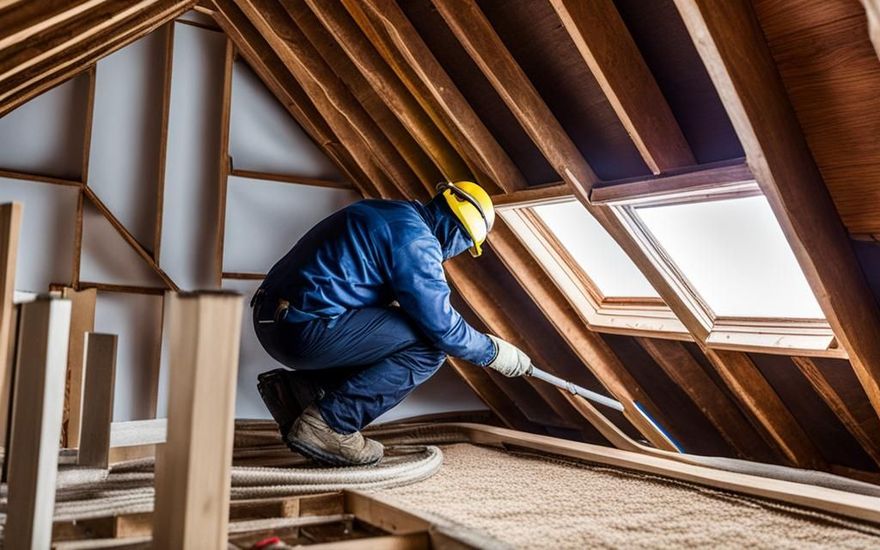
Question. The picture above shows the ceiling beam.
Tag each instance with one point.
(76, 45)
(332, 99)
(609, 50)
(678, 363)
(482, 43)
(436, 143)
(373, 107)
(269, 67)
(732, 45)
(400, 45)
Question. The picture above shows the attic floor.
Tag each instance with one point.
(533, 502)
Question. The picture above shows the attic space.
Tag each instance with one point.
(416, 274)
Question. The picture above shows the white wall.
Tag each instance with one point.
(263, 218)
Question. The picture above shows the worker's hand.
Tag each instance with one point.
(510, 360)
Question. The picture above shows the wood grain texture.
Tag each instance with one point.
(831, 74)
(192, 471)
(781, 160)
(36, 423)
(262, 59)
(475, 33)
(82, 321)
(400, 45)
(437, 142)
(97, 415)
(167, 71)
(861, 431)
(224, 162)
(614, 59)
(10, 228)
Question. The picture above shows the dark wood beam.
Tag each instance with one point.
(391, 90)
(373, 110)
(400, 45)
(333, 100)
(271, 70)
(734, 50)
(677, 362)
(605, 43)
(78, 44)
(475, 33)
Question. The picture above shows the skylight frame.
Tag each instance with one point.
(779, 335)
(640, 316)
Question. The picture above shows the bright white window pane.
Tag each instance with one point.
(604, 262)
(734, 254)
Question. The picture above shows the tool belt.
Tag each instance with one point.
(262, 303)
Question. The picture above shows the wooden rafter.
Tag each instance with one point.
(391, 90)
(403, 49)
(476, 34)
(604, 42)
(400, 143)
(734, 50)
(339, 108)
(263, 60)
(68, 49)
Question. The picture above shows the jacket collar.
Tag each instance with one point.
(446, 228)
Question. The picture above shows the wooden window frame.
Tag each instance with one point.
(813, 337)
(639, 316)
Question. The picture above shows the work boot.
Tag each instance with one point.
(313, 438)
(286, 394)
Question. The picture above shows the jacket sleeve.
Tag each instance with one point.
(422, 291)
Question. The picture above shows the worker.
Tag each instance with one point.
(360, 309)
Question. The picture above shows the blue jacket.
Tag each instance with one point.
(372, 253)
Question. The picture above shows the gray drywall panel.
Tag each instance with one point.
(136, 319)
(264, 137)
(265, 218)
(191, 175)
(45, 135)
(124, 154)
(107, 258)
(45, 248)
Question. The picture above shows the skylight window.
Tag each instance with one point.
(735, 256)
(594, 251)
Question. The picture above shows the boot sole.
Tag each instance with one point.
(322, 456)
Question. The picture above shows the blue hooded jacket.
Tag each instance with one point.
(372, 253)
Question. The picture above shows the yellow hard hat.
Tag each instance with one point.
(472, 206)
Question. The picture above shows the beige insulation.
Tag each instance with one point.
(532, 502)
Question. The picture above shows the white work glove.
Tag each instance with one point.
(510, 360)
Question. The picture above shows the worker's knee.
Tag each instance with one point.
(427, 358)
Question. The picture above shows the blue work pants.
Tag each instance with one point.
(378, 351)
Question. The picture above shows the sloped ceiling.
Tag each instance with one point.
(403, 94)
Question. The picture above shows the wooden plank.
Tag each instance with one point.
(243, 276)
(167, 68)
(128, 289)
(16, 175)
(36, 423)
(733, 48)
(262, 58)
(193, 471)
(10, 227)
(436, 140)
(470, 26)
(869, 442)
(224, 161)
(38, 17)
(82, 321)
(68, 63)
(606, 45)
(688, 374)
(380, 123)
(333, 100)
(84, 178)
(693, 179)
(94, 445)
(129, 238)
(532, 194)
(400, 45)
(294, 180)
